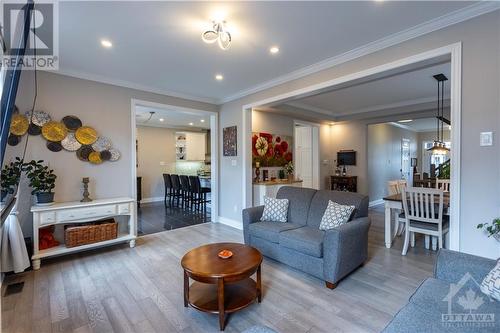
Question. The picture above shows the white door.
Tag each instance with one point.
(405, 159)
(304, 155)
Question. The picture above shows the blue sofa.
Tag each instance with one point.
(328, 255)
(428, 309)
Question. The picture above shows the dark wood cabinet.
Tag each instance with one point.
(344, 183)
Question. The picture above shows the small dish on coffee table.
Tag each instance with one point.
(225, 254)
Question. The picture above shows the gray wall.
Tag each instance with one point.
(384, 156)
(480, 39)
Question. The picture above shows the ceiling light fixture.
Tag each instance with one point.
(274, 50)
(219, 77)
(405, 121)
(439, 147)
(106, 43)
(202, 120)
(191, 124)
(161, 119)
(218, 34)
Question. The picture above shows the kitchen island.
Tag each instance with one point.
(269, 188)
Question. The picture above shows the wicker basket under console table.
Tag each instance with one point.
(64, 213)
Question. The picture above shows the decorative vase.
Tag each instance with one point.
(290, 176)
(44, 197)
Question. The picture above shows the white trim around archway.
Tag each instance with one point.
(451, 52)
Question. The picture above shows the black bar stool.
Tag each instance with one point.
(199, 193)
(185, 191)
(168, 188)
(176, 189)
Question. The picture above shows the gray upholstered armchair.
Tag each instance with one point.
(329, 255)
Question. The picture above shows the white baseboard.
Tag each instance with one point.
(230, 222)
(376, 203)
(152, 199)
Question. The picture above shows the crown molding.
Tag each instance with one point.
(461, 15)
(131, 85)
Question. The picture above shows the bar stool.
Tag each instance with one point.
(199, 193)
(176, 189)
(168, 188)
(185, 191)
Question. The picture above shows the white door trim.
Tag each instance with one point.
(214, 147)
(315, 150)
(454, 51)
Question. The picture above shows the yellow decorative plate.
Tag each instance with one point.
(19, 125)
(95, 157)
(54, 131)
(86, 135)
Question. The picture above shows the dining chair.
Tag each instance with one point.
(168, 188)
(423, 209)
(176, 189)
(443, 184)
(396, 187)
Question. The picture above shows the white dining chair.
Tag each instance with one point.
(423, 208)
(443, 184)
(396, 187)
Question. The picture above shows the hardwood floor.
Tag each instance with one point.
(119, 289)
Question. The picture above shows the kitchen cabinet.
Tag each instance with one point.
(190, 146)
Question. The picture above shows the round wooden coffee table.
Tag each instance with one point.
(222, 285)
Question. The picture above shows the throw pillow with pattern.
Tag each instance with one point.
(491, 283)
(275, 210)
(335, 215)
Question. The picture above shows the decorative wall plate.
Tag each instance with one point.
(39, 118)
(72, 123)
(13, 140)
(95, 157)
(34, 129)
(102, 143)
(115, 154)
(54, 146)
(70, 143)
(86, 135)
(19, 124)
(105, 155)
(54, 131)
(83, 153)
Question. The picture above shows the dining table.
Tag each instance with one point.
(393, 207)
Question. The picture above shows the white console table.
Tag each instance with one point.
(81, 212)
(270, 189)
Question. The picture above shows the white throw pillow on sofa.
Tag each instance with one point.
(275, 210)
(335, 215)
(491, 283)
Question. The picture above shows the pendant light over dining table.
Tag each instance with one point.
(438, 146)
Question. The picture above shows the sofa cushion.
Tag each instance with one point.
(320, 201)
(300, 200)
(306, 240)
(270, 230)
(491, 283)
(275, 210)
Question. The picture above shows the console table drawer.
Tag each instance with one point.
(124, 208)
(85, 213)
(47, 218)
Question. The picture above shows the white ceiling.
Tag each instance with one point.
(171, 118)
(157, 46)
(402, 90)
(422, 125)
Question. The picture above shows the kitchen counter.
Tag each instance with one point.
(278, 182)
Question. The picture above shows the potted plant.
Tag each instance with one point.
(492, 229)
(42, 181)
(289, 170)
(10, 175)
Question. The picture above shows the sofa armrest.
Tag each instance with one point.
(345, 248)
(451, 266)
(250, 215)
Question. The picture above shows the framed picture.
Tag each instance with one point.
(271, 150)
(229, 138)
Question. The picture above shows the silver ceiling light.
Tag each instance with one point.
(439, 147)
(218, 34)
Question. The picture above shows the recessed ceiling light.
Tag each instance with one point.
(202, 120)
(106, 43)
(161, 119)
(191, 124)
(274, 50)
(405, 121)
(219, 77)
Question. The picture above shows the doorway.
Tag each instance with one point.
(174, 166)
(306, 153)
